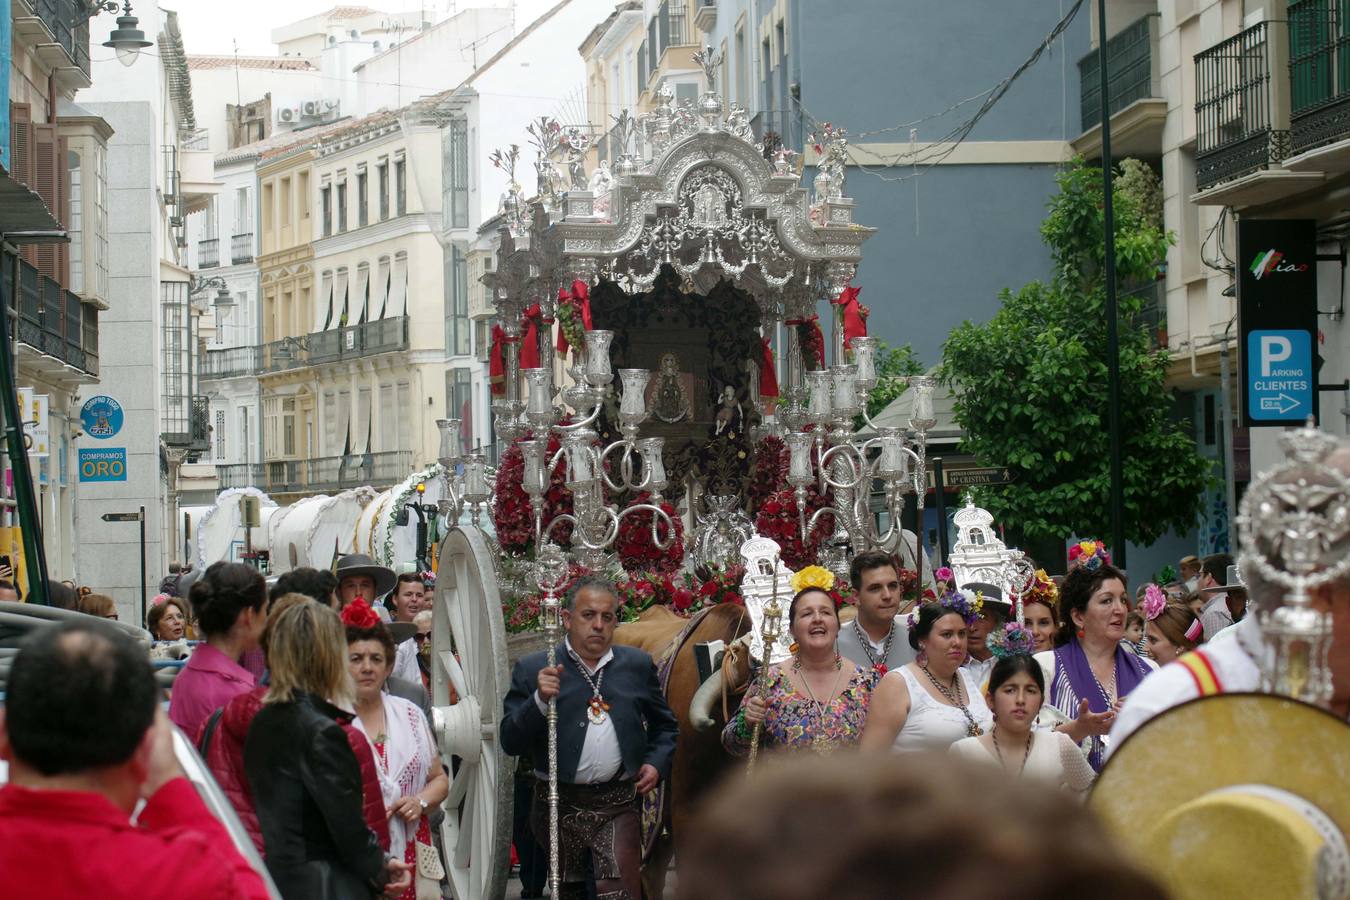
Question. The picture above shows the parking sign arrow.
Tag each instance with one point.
(1281, 403)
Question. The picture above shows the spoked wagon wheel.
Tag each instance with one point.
(469, 653)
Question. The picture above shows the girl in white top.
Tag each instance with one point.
(1016, 692)
(929, 704)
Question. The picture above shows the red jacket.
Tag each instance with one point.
(225, 759)
(77, 844)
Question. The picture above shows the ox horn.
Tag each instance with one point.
(701, 706)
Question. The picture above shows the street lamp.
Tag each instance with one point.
(127, 39)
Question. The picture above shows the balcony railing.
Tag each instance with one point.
(326, 473)
(53, 321)
(672, 25)
(208, 253)
(241, 248)
(192, 427)
(68, 21)
(1319, 73)
(231, 362)
(1148, 303)
(352, 342)
(1129, 66)
(1236, 131)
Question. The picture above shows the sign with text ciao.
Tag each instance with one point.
(103, 464)
(1277, 317)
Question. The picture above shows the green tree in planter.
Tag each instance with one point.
(1031, 385)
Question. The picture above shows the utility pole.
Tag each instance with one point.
(1117, 502)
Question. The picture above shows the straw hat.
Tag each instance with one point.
(1239, 795)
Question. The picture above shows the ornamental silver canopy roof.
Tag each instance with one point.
(690, 189)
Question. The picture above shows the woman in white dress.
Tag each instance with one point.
(931, 703)
(1016, 692)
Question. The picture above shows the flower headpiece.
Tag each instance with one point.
(1011, 640)
(813, 577)
(957, 601)
(160, 598)
(428, 578)
(1155, 601)
(944, 574)
(358, 614)
(1090, 555)
(1043, 590)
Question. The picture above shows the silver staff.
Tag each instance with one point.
(550, 573)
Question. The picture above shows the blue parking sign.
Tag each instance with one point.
(1280, 376)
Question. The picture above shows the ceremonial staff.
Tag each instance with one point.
(769, 631)
(551, 573)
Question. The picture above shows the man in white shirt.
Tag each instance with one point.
(1215, 615)
(994, 612)
(878, 638)
(616, 741)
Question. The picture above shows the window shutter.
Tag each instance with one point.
(21, 157)
(47, 183)
(62, 211)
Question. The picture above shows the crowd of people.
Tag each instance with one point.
(308, 700)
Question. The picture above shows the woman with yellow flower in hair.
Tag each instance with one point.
(817, 700)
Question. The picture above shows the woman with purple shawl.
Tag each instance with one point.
(1091, 670)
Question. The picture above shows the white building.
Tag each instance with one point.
(148, 347)
(490, 110)
(240, 100)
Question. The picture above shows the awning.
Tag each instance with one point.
(22, 209)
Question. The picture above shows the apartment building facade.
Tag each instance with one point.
(57, 162)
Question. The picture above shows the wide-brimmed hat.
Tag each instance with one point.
(360, 564)
(1233, 583)
(992, 594)
(1265, 812)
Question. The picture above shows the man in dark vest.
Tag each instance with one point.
(616, 739)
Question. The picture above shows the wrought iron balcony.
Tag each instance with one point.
(326, 473)
(352, 342)
(188, 423)
(1319, 74)
(68, 22)
(241, 248)
(672, 25)
(1237, 132)
(231, 362)
(55, 323)
(1129, 66)
(208, 253)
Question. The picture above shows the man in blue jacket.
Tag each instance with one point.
(616, 739)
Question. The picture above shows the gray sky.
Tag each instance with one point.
(209, 26)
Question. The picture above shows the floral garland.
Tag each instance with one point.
(960, 602)
(777, 519)
(770, 470)
(684, 594)
(512, 514)
(1043, 590)
(637, 551)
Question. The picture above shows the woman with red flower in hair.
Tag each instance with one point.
(411, 776)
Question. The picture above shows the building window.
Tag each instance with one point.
(459, 401)
(326, 208)
(457, 326)
(766, 86)
(288, 427)
(362, 199)
(382, 176)
(220, 434)
(286, 218)
(243, 212)
(456, 174)
(480, 340)
(400, 187)
(342, 206)
(100, 223)
(742, 86)
(75, 224)
(176, 386)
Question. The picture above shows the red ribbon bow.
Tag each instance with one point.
(358, 614)
(497, 362)
(853, 313)
(813, 321)
(529, 345)
(768, 381)
(581, 296)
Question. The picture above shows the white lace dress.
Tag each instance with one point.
(931, 725)
(1054, 758)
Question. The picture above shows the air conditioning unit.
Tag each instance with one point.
(288, 115)
(312, 109)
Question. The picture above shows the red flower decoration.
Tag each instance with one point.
(513, 515)
(637, 551)
(358, 614)
(777, 519)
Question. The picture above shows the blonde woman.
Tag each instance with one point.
(305, 779)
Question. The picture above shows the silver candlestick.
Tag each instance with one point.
(550, 573)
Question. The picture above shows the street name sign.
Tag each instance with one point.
(121, 517)
(983, 476)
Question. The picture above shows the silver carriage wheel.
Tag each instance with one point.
(476, 833)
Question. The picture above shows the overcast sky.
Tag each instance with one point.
(209, 26)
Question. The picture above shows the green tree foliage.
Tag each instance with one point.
(1031, 391)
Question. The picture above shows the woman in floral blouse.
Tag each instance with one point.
(817, 700)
